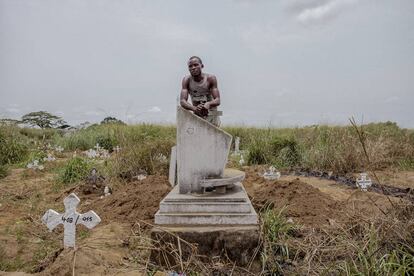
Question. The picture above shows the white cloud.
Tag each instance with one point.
(323, 11)
(154, 109)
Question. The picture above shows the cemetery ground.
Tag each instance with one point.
(309, 225)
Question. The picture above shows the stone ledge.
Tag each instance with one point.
(210, 207)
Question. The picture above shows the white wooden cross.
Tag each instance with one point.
(70, 219)
(363, 182)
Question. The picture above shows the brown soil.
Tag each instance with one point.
(396, 178)
(25, 196)
(311, 201)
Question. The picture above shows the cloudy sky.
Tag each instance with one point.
(278, 63)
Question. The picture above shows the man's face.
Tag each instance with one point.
(194, 66)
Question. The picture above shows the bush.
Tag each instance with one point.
(75, 169)
(12, 147)
(150, 157)
(106, 142)
(40, 134)
(276, 150)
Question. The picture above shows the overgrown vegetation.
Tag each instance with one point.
(75, 169)
(328, 148)
(276, 230)
(13, 147)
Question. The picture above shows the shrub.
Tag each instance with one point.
(40, 134)
(150, 157)
(106, 142)
(75, 169)
(12, 147)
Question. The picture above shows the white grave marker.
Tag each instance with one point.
(237, 145)
(70, 219)
(363, 182)
(272, 174)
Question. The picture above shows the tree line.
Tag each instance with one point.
(44, 119)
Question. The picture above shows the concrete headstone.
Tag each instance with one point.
(202, 151)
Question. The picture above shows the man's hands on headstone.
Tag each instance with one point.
(201, 110)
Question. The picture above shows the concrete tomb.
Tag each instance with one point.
(70, 219)
(206, 197)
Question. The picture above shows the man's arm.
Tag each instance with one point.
(214, 92)
(184, 95)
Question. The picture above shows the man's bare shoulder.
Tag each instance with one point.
(211, 78)
(186, 79)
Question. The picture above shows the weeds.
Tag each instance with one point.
(75, 169)
(13, 147)
(275, 230)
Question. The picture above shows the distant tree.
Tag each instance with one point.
(112, 120)
(7, 121)
(42, 119)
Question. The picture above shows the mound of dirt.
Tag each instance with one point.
(304, 203)
(133, 201)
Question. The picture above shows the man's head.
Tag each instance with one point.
(195, 66)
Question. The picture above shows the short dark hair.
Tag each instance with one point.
(199, 59)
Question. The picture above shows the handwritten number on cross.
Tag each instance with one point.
(70, 219)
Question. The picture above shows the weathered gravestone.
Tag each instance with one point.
(70, 219)
(209, 205)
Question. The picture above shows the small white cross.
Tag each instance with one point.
(363, 182)
(70, 219)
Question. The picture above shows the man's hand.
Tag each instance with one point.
(207, 105)
(200, 110)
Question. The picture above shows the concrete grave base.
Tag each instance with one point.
(232, 208)
(238, 243)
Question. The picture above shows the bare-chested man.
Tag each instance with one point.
(203, 90)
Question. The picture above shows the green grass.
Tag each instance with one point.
(276, 230)
(329, 148)
(76, 169)
(372, 259)
(13, 146)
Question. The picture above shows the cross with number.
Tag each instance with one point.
(364, 182)
(70, 219)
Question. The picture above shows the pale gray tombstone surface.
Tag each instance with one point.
(196, 162)
(70, 219)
